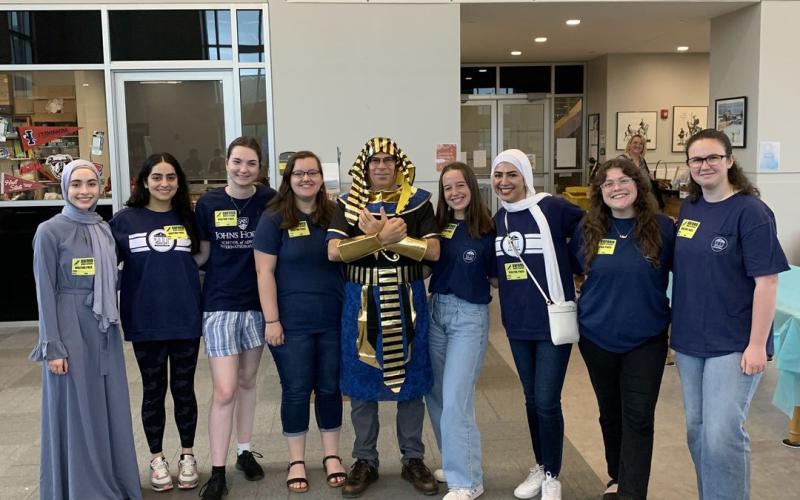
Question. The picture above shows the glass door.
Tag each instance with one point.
(189, 114)
(525, 125)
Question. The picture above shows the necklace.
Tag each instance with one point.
(238, 209)
(622, 236)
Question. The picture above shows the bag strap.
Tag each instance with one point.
(527, 269)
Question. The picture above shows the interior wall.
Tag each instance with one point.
(652, 82)
(733, 68)
(778, 109)
(596, 89)
(340, 83)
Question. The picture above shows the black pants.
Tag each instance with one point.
(626, 386)
(153, 359)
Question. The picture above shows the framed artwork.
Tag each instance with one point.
(730, 116)
(630, 123)
(594, 136)
(687, 121)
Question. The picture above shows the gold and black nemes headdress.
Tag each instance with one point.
(358, 197)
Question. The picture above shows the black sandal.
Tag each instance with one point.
(296, 480)
(334, 475)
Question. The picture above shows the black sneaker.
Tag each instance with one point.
(215, 488)
(247, 464)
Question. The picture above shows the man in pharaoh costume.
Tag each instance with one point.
(383, 229)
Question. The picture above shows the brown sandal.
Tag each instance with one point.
(333, 477)
(296, 480)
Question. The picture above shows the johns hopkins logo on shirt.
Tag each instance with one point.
(530, 243)
(243, 222)
(719, 244)
(469, 256)
(157, 240)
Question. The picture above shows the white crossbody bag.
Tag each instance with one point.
(563, 316)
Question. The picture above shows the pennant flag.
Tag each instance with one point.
(34, 137)
(30, 167)
(13, 184)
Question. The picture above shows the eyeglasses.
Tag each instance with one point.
(621, 182)
(389, 161)
(312, 174)
(712, 160)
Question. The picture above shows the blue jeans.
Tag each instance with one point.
(542, 367)
(309, 362)
(716, 396)
(457, 341)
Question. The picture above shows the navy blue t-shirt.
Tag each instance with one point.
(464, 266)
(230, 226)
(623, 301)
(719, 249)
(160, 284)
(310, 287)
(522, 307)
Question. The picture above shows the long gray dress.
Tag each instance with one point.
(87, 450)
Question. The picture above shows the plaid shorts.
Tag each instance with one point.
(228, 333)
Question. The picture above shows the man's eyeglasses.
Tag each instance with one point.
(622, 182)
(712, 160)
(312, 174)
(389, 161)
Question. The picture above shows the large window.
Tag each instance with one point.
(51, 37)
(47, 118)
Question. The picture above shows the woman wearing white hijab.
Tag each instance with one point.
(87, 446)
(532, 232)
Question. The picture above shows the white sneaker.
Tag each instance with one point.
(187, 473)
(551, 488)
(532, 485)
(439, 475)
(160, 479)
(464, 493)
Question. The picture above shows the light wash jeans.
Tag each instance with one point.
(716, 396)
(457, 339)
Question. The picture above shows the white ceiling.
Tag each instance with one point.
(490, 31)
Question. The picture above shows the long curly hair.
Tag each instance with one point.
(284, 202)
(477, 217)
(646, 230)
(181, 202)
(736, 176)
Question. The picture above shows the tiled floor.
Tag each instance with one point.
(506, 445)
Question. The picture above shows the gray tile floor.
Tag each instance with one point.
(501, 416)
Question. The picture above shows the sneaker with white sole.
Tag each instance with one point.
(551, 488)
(532, 485)
(464, 493)
(439, 475)
(160, 478)
(187, 472)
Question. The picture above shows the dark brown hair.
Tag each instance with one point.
(736, 176)
(284, 202)
(477, 216)
(247, 142)
(646, 230)
(181, 202)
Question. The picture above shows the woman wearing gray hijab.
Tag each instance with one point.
(87, 439)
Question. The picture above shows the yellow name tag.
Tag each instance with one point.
(300, 230)
(176, 232)
(225, 218)
(449, 230)
(515, 271)
(606, 247)
(83, 266)
(688, 228)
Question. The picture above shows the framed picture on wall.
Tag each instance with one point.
(730, 116)
(687, 121)
(630, 123)
(594, 137)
